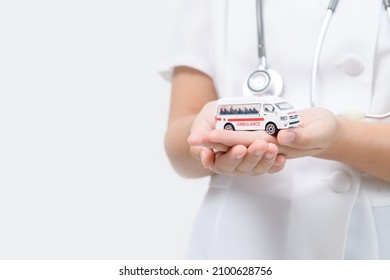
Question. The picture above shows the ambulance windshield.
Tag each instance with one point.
(284, 106)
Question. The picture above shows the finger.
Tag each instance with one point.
(202, 139)
(205, 155)
(197, 139)
(254, 154)
(279, 164)
(267, 160)
(226, 163)
(232, 138)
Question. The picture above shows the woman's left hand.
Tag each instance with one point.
(316, 136)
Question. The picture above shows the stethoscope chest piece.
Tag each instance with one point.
(263, 82)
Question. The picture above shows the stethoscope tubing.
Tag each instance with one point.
(260, 37)
(387, 6)
(330, 11)
(317, 55)
(262, 81)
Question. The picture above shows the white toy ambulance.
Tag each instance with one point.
(269, 113)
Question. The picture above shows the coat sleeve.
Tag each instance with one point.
(190, 41)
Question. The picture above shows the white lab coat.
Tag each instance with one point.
(313, 209)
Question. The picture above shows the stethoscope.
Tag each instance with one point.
(267, 81)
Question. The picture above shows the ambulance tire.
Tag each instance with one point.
(228, 126)
(271, 129)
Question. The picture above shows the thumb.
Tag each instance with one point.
(286, 137)
(301, 138)
(296, 138)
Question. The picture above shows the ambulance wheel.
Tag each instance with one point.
(271, 128)
(229, 126)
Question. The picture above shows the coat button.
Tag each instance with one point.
(352, 65)
(341, 181)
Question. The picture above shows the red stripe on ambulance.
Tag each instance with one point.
(245, 119)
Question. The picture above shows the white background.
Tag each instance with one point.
(83, 172)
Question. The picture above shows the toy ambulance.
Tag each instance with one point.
(269, 113)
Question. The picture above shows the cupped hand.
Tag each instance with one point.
(233, 152)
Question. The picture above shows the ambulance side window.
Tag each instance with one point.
(268, 108)
(223, 110)
(255, 109)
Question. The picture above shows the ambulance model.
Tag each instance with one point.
(269, 113)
